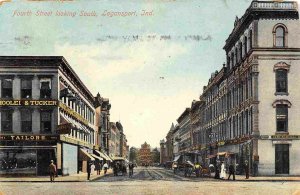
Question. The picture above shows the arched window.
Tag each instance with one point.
(280, 35)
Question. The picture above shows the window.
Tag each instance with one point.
(45, 88)
(250, 40)
(281, 118)
(26, 121)
(279, 37)
(6, 120)
(26, 90)
(281, 81)
(241, 51)
(245, 46)
(46, 121)
(7, 88)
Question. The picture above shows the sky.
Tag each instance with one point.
(151, 67)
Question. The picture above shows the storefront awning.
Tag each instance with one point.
(176, 158)
(96, 157)
(118, 158)
(85, 155)
(103, 155)
(211, 156)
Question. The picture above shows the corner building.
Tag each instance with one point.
(261, 91)
(47, 113)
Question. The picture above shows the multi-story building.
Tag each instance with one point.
(169, 144)
(144, 155)
(250, 106)
(184, 123)
(112, 140)
(47, 113)
(198, 145)
(176, 143)
(37, 95)
(163, 152)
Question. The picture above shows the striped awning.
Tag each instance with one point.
(101, 154)
(96, 157)
(86, 155)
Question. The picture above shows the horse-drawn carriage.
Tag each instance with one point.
(119, 166)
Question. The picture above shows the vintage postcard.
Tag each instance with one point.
(149, 97)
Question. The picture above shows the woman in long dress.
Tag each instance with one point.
(223, 171)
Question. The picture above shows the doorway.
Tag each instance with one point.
(282, 159)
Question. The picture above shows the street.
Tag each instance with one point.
(152, 181)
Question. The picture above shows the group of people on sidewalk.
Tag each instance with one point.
(96, 165)
(220, 172)
(219, 169)
(91, 167)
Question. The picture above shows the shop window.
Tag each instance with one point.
(6, 120)
(281, 118)
(45, 88)
(26, 88)
(46, 121)
(26, 121)
(7, 88)
(281, 81)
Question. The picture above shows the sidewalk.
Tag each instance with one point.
(81, 177)
(263, 178)
(242, 178)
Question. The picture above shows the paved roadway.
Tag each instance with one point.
(151, 181)
(147, 174)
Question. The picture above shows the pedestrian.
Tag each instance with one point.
(105, 167)
(115, 169)
(174, 166)
(247, 169)
(98, 167)
(92, 168)
(217, 171)
(52, 170)
(231, 171)
(223, 171)
(88, 168)
(197, 169)
(130, 166)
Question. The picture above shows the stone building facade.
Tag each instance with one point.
(47, 113)
(250, 106)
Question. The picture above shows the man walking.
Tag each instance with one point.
(247, 169)
(105, 167)
(52, 170)
(231, 171)
(88, 170)
(130, 166)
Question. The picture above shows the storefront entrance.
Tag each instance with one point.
(43, 160)
(282, 159)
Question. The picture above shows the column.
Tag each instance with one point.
(54, 87)
(16, 126)
(54, 120)
(36, 121)
(0, 89)
(16, 88)
(35, 87)
(255, 85)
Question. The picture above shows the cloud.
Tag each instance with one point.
(112, 59)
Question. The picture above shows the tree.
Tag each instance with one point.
(155, 155)
(133, 154)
